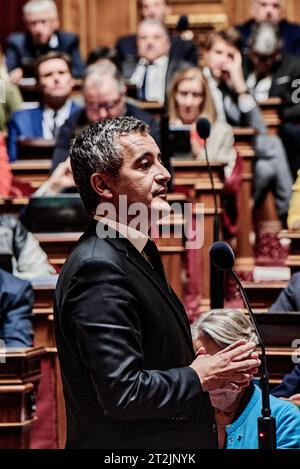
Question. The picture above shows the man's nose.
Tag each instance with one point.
(103, 113)
(163, 174)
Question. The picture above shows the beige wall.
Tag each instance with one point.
(100, 22)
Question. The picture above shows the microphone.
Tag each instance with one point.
(203, 128)
(222, 256)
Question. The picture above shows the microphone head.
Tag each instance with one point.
(203, 128)
(222, 255)
(182, 23)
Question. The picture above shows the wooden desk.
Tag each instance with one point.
(19, 379)
(262, 295)
(35, 149)
(34, 172)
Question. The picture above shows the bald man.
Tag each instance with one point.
(273, 12)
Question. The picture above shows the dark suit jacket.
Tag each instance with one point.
(20, 51)
(180, 49)
(124, 346)
(16, 300)
(290, 33)
(78, 121)
(27, 123)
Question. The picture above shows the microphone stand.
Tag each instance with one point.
(266, 424)
(216, 275)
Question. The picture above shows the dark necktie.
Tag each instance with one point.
(152, 253)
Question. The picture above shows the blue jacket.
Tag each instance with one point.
(20, 50)
(16, 300)
(242, 434)
(27, 123)
(290, 33)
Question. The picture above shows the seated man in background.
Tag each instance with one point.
(43, 35)
(104, 93)
(55, 81)
(272, 11)
(28, 260)
(271, 73)
(157, 9)
(236, 412)
(235, 105)
(153, 68)
(16, 301)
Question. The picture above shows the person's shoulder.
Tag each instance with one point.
(125, 41)
(66, 36)
(16, 38)
(245, 27)
(289, 26)
(219, 129)
(26, 113)
(281, 407)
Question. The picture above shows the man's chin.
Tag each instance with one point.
(160, 207)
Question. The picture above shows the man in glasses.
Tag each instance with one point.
(42, 36)
(104, 93)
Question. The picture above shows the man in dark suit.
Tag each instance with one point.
(153, 68)
(157, 9)
(104, 93)
(55, 81)
(16, 300)
(271, 11)
(130, 376)
(43, 35)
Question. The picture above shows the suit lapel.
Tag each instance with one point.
(137, 259)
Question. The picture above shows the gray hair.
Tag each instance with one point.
(97, 150)
(36, 6)
(224, 326)
(153, 21)
(265, 39)
(96, 73)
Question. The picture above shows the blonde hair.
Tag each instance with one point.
(224, 327)
(207, 110)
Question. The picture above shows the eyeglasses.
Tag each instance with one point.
(109, 106)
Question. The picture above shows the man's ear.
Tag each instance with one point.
(100, 184)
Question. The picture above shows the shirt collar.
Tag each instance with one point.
(137, 238)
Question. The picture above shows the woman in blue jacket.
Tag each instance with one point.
(236, 411)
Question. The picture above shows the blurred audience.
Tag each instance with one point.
(16, 301)
(272, 73)
(237, 410)
(55, 81)
(60, 181)
(272, 12)
(28, 260)
(157, 9)
(10, 96)
(5, 171)
(234, 104)
(104, 53)
(105, 98)
(153, 68)
(42, 36)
